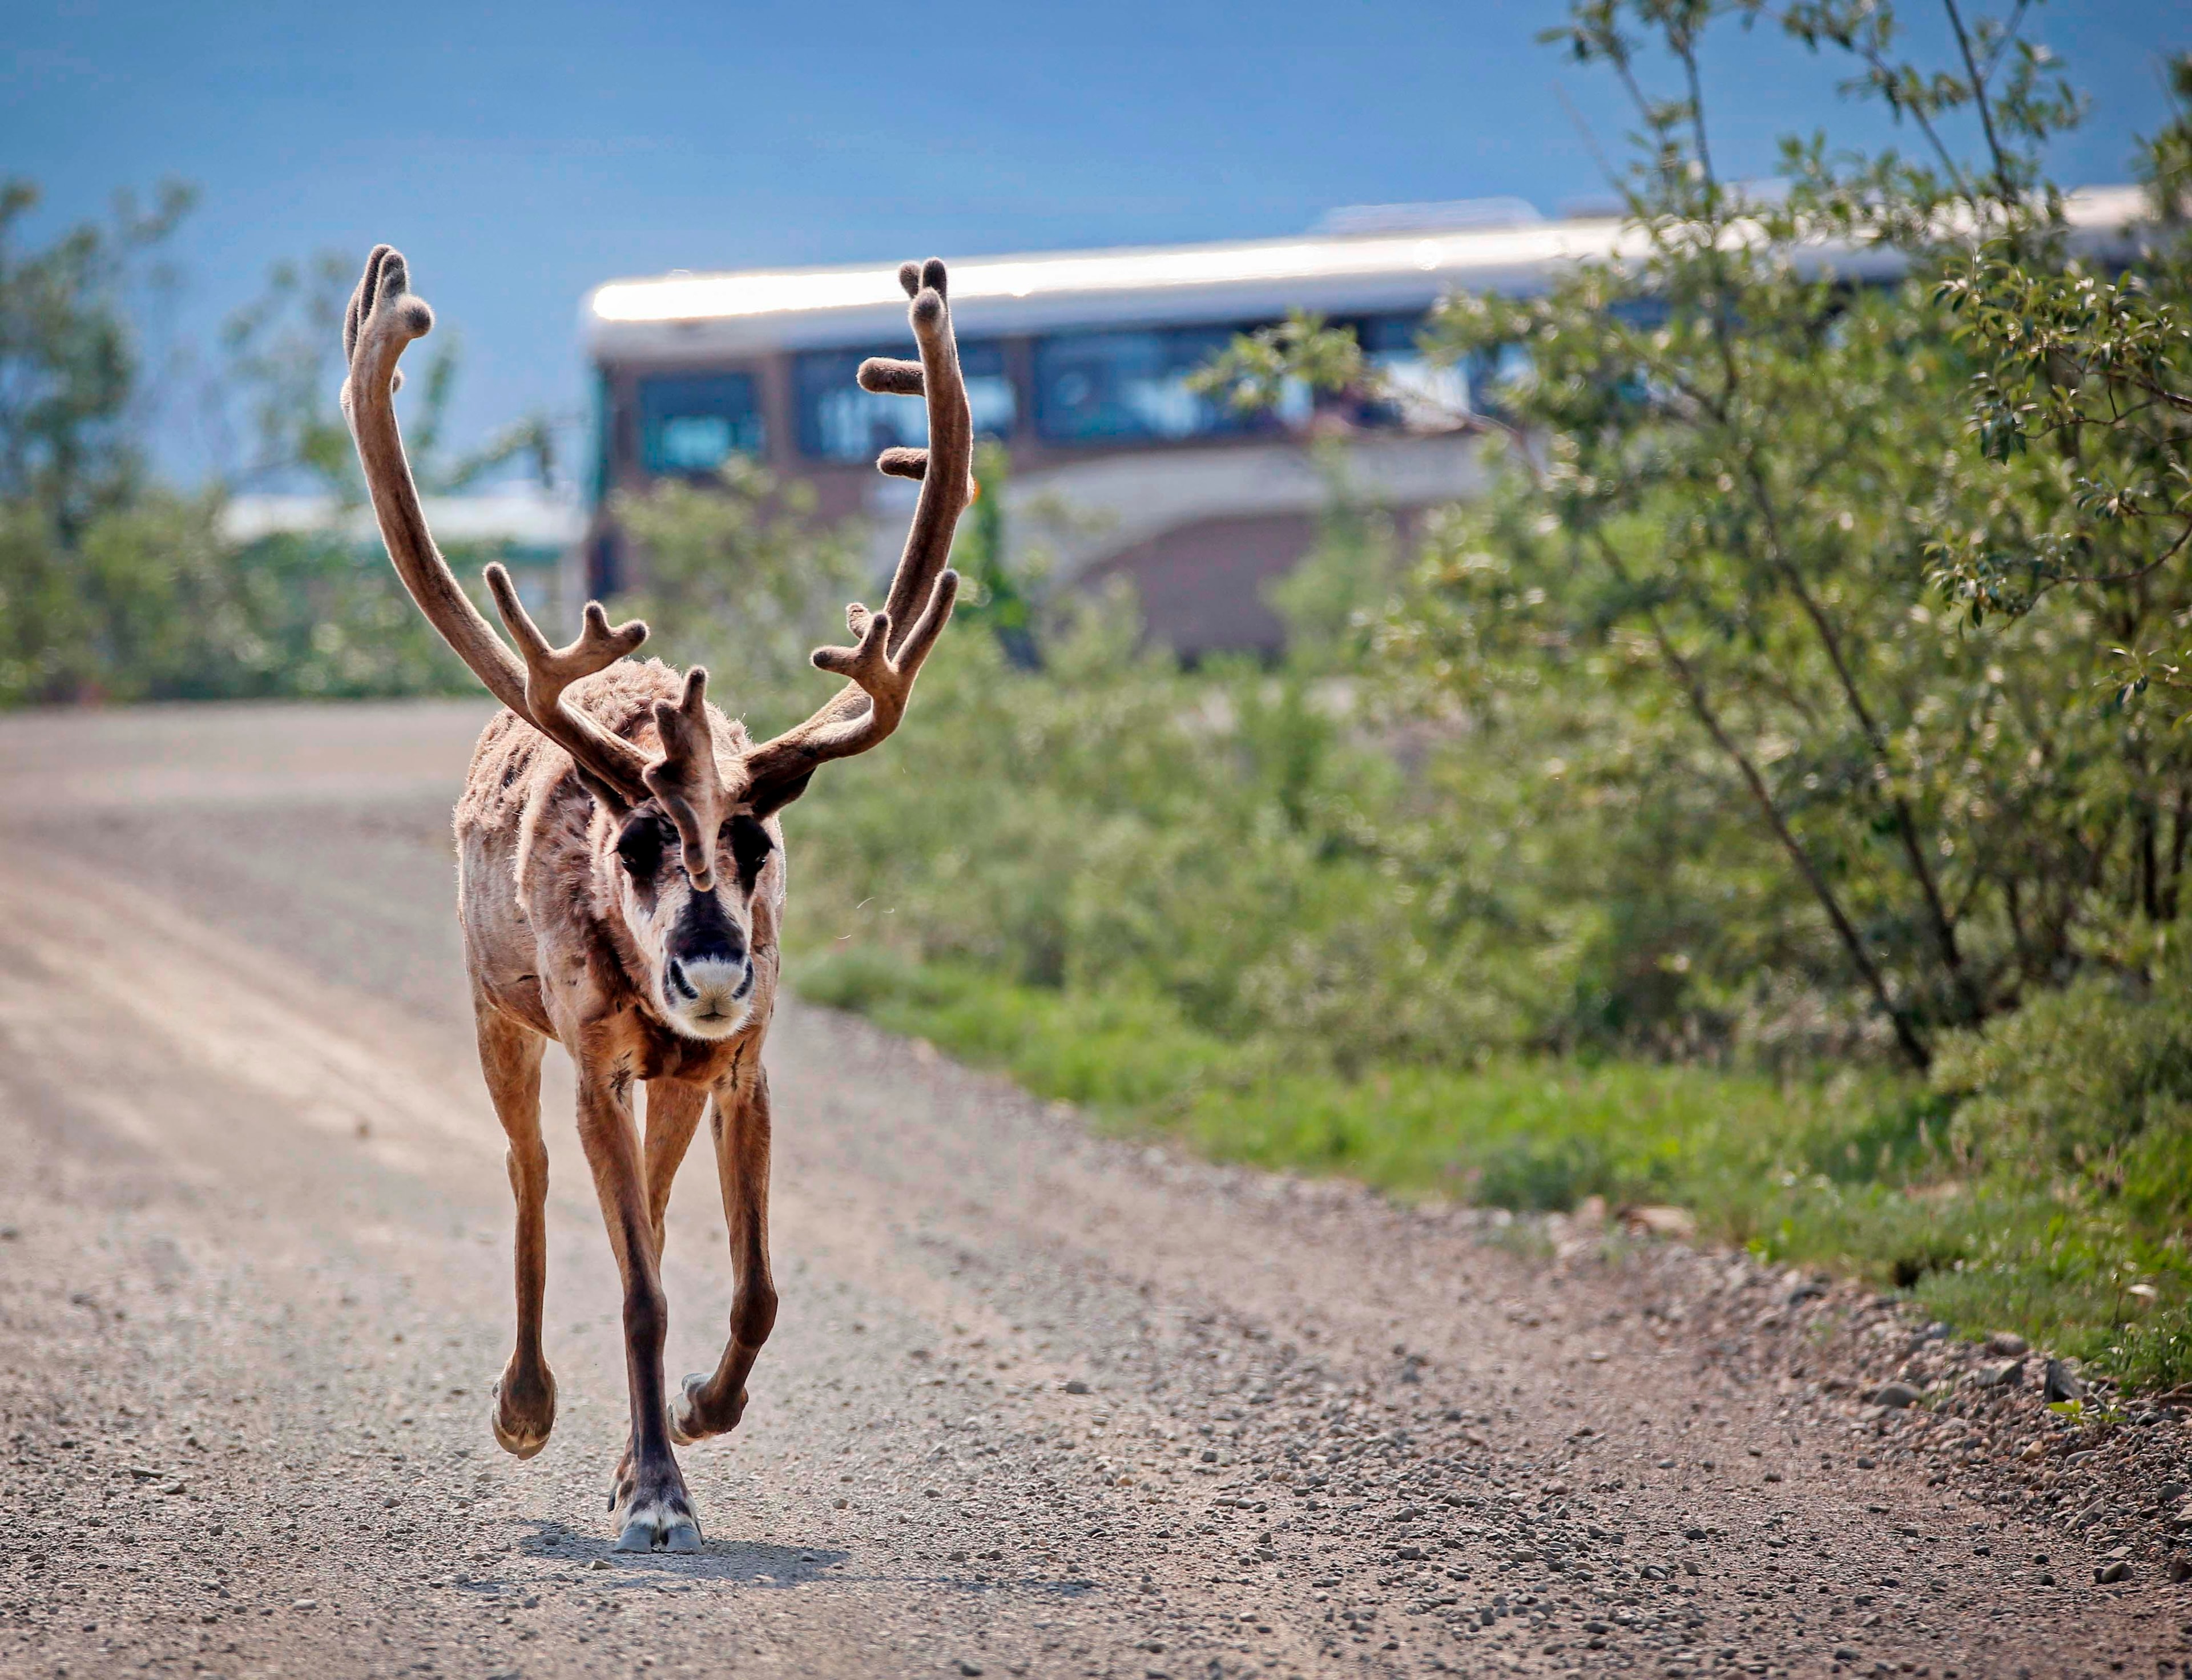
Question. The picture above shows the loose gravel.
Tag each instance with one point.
(1039, 1402)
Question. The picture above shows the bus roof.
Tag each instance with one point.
(680, 316)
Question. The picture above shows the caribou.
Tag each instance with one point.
(621, 887)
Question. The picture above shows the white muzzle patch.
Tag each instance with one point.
(708, 998)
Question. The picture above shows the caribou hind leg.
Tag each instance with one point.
(649, 1507)
(711, 1403)
(522, 1409)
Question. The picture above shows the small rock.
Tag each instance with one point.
(2180, 1567)
(2110, 1573)
(2171, 1492)
(967, 1667)
(599, 1564)
(2060, 1384)
(1075, 1386)
(2008, 1374)
(304, 1604)
(1843, 1653)
(1897, 1395)
(2008, 1343)
(1678, 1223)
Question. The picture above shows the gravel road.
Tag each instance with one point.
(1038, 1403)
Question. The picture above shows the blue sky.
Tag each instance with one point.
(521, 154)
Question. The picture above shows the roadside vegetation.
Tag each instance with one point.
(115, 586)
(1773, 801)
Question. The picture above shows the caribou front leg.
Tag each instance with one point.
(712, 1403)
(521, 1407)
(673, 1115)
(649, 1507)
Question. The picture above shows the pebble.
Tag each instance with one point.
(2007, 1342)
(304, 1604)
(2109, 1574)
(2060, 1384)
(1897, 1395)
(1075, 1386)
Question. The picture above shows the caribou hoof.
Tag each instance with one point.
(689, 1422)
(683, 1535)
(521, 1414)
(660, 1518)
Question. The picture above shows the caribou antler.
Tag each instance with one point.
(382, 321)
(685, 781)
(608, 763)
(893, 642)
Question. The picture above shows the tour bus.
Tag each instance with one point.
(1078, 361)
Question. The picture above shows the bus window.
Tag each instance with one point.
(839, 422)
(694, 422)
(1098, 387)
(1424, 392)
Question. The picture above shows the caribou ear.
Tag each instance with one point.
(750, 846)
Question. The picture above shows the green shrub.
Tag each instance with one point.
(2090, 1087)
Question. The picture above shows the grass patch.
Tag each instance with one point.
(1856, 1173)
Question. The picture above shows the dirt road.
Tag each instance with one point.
(1037, 1404)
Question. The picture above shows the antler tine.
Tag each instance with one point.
(886, 377)
(686, 781)
(893, 643)
(944, 493)
(382, 320)
(608, 762)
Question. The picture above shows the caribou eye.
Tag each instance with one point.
(751, 846)
(640, 846)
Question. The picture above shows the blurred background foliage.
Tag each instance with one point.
(1774, 798)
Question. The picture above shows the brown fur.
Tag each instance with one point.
(650, 963)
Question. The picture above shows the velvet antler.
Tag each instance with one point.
(891, 643)
(382, 321)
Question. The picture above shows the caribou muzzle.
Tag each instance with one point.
(708, 972)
